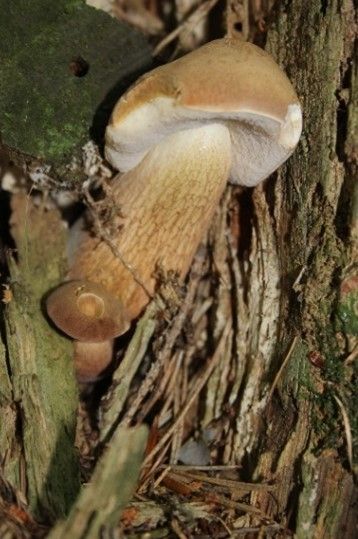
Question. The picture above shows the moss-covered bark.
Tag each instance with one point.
(8, 443)
(39, 391)
(62, 66)
(306, 446)
(100, 504)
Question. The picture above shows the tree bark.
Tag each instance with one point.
(289, 284)
(39, 395)
(312, 218)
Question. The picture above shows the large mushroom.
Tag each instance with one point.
(225, 111)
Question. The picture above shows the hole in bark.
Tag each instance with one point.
(6, 241)
(324, 5)
(345, 204)
(79, 67)
(215, 20)
(344, 209)
(294, 497)
(246, 215)
(342, 123)
(269, 188)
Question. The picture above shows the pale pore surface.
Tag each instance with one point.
(260, 143)
(167, 203)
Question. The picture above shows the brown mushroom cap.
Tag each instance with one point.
(86, 311)
(226, 81)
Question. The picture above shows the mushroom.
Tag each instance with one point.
(223, 111)
(88, 313)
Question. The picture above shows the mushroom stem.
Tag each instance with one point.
(167, 202)
(92, 359)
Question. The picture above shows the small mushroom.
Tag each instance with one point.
(93, 317)
(224, 111)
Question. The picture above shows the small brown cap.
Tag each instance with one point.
(86, 311)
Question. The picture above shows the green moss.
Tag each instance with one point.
(347, 314)
(46, 111)
(40, 363)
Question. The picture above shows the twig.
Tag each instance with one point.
(122, 378)
(144, 389)
(231, 504)
(205, 375)
(347, 429)
(247, 532)
(296, 284)
(179, 399)
(209, 468)
(177, 529)
(225, 483)
(164, 473)
(351, 357)
(156, 464)
(191, 21)
(170, 373)
(225, 526)
(173, 334)
(281, 369)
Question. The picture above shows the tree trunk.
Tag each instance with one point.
(309, 219)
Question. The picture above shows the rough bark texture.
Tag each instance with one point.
(311, 215)
(39, 394)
